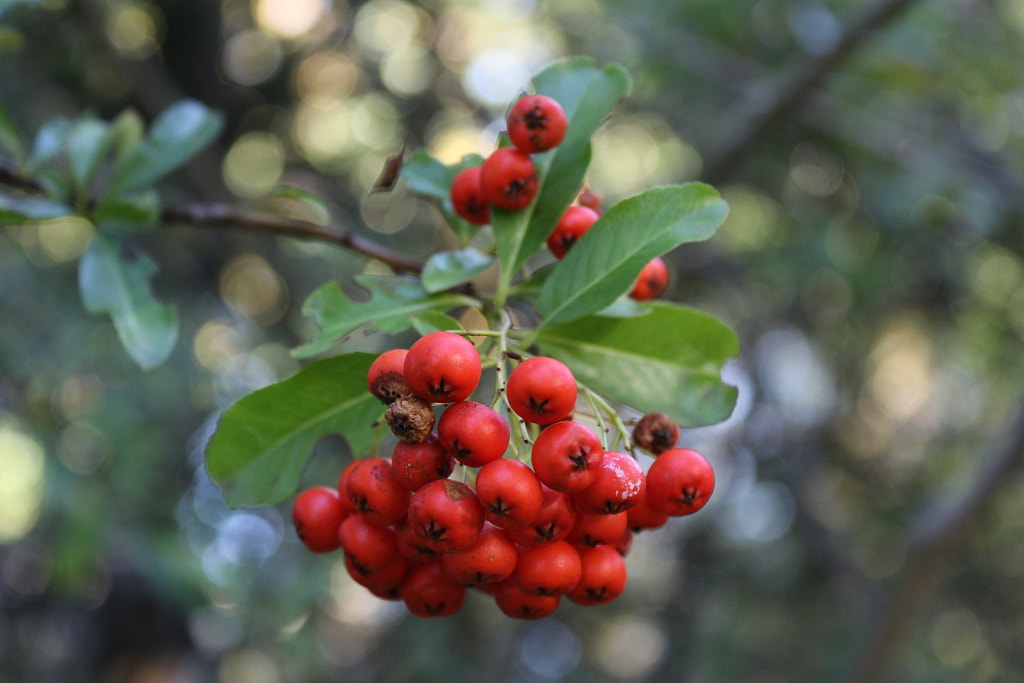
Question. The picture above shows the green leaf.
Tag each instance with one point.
(433, 321)
(10, 138)
(306, 199)
(587, 94)
(117, 284)
(263, 441)
(429, 177)
(124, 213)
(49, 141)
(603, 264)
(128, 130)
(87, 143)
(668, 360)
(177, 134)
(446, 269)
(389, 309)
(16, 210)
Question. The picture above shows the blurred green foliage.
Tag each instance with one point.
(871, 263)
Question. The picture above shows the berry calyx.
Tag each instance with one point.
(536, 123)
(474, 433)
(509, 492)
(508, 178)
(566, 456)
(446, 516)
(602, 576)
(372, 488)
(468, 198)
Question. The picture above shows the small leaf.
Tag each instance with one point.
(432, 321)
(603, 264)
(446, 269)
(49, 141)
(128, 130)
(124, 213)
(587, 94)
(389, 309)
(15, 210)
(87, 143)
(263, 441)
(668, 360)
(177, 134)
(10, 138)
(119, 285)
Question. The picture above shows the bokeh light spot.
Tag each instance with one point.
(289, 18)
(251, 57)
(254, 164)
(22, 461)
(252, 288)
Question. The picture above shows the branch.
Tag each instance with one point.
(935, 536)
(755, 126)
(228, 216)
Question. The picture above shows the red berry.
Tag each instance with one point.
(442, 367)
(652, 281)
(509, 492)
(371, 486)
(566, 456)
(508, 179)
(427, 593)
(550, 569)
(590, 199)
(618, 486)
(602, 576)
(446, 516)
(490, 560)
(593, 528)
(575, 222)
(554, 521)
(412, 546)
(679, 482)
(317, 513)
(474, 433)
(516, 603)
(385, 378)
(416, 464)
(541, 390)
(369, 546)
(384, 582)
(536, 123)
(642, 516)
(468, 198)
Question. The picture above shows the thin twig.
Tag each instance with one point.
(754, 126)
(229, 216)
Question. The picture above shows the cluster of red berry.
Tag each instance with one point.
(526, 535)
(507, 178)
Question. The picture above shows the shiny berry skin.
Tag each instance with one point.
(554, 521)
(374, 491)
(575, 222)
(446, 516)
(536, 123)
(652, 281)
(508, 179)
(417, 464)
(490, 560)
(509, 492)
(427, 593)
(618, 486)
(442, 367)
(516, 603)
(679, 482)
(385, 379)
(550, 569)
(468, 198)
(642, 516)
(602, 576)
(566, 456)
(474, 433)
(317, 513)
(369, 546)
(541, 390)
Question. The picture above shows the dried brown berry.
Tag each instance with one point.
(656, 432)
(411, 418)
